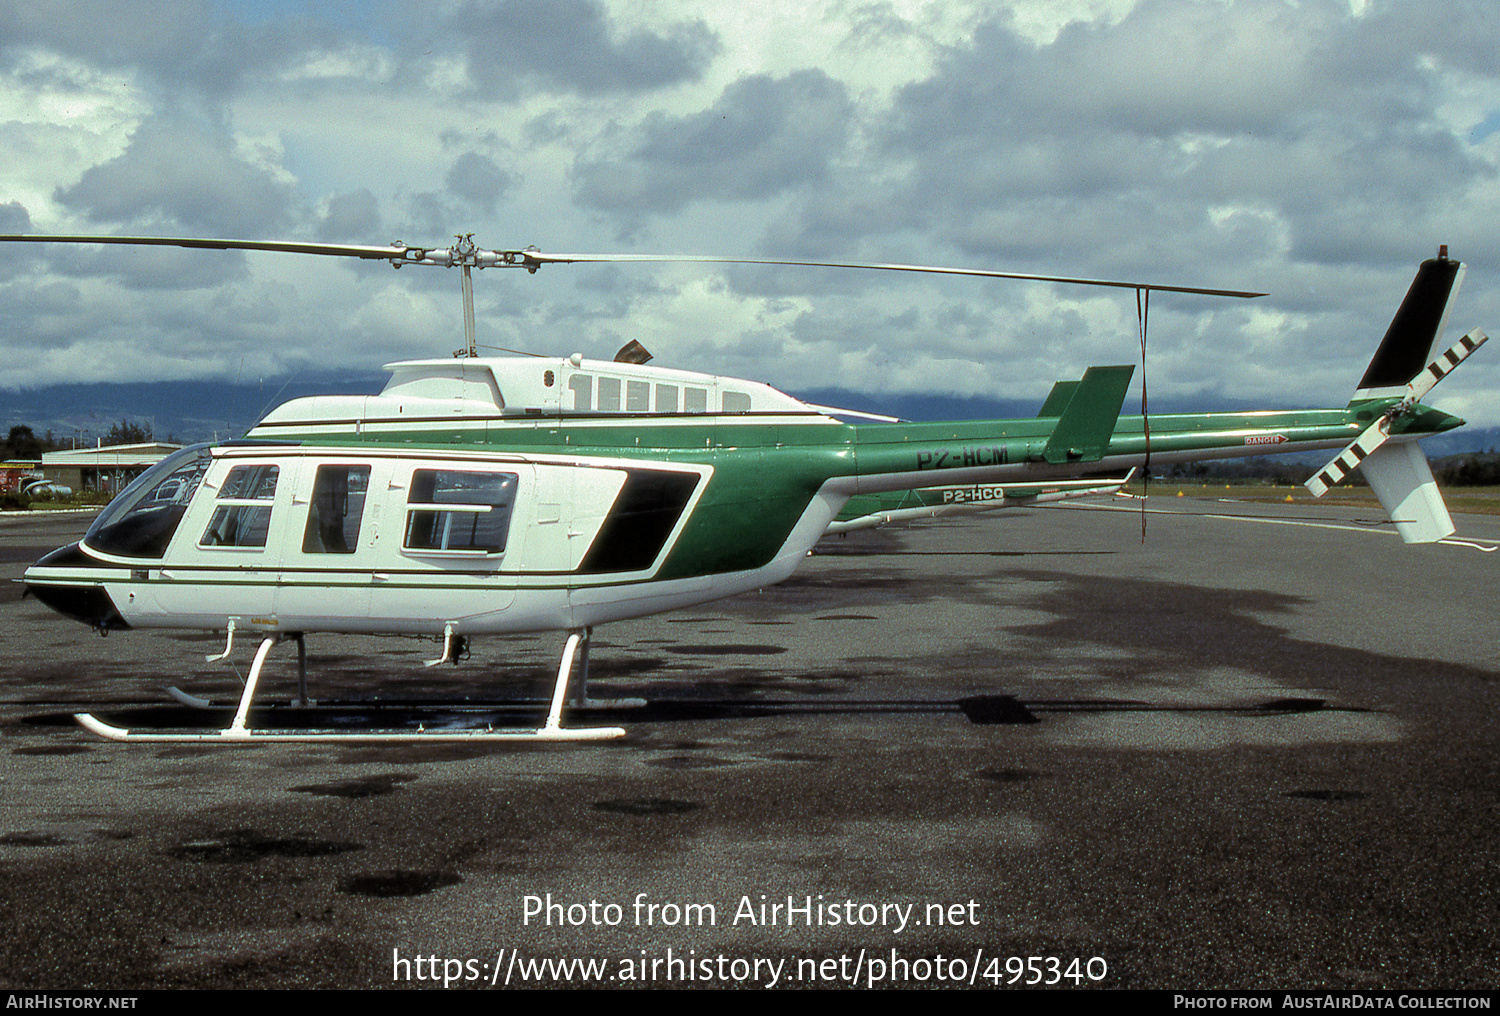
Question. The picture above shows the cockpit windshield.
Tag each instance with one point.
(140, 521)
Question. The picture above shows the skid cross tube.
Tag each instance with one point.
(239, 731)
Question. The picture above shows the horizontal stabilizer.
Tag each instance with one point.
(1083, 431)
(1402, 480)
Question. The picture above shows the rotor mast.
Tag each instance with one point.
(465, 247)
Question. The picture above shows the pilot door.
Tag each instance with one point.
(223, 560)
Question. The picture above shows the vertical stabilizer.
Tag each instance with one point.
(1400, 477)
(1058, 399)
(1407, 346)
(1083, 430)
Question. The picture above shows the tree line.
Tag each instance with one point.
(1470, 469)
(23, 443)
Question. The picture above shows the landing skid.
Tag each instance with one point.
(239, 731)
(578, 699)
(420, 735)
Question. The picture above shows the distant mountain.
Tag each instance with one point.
(182, 410)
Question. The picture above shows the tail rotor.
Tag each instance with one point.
(1376, 435)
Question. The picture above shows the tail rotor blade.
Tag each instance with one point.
(1443, 365)
(1349, 459)
(1376, 434)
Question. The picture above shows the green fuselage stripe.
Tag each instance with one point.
(766, 474)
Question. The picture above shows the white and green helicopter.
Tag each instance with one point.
(479, 496)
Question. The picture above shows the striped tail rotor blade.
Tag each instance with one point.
(1349, 459)
(1443, 365)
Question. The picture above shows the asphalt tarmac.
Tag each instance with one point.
(1262, 753)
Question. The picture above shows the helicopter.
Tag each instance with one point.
(481, 495)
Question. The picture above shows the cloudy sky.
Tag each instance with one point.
(1314, 149)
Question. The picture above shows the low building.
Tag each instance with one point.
(106, 470)
(17, 472)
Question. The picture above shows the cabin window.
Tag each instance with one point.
(457, 511)
(242, 517)
(666, 398)
(141, 520)
(609, 394)
(637, 396)
(736, 402)
(334, 513)
(582, 387)
(644, 514)
(695, 400)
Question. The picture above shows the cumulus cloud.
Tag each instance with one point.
(1127, 135)
(176, 44)
(186, 171)
(761, 137)
(155, 35)
(573, 46)
(14, 219)
(1316, 150)
(350, 218)
(476, 179)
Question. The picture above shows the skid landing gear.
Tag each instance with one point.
(239, 732)
(300, 702)
(580, 697)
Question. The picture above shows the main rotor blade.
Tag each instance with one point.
(532, 259)
(290, 247)
(536, 257)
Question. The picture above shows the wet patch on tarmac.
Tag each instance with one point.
(647, 806)
(691, 762)
(838, 676)
(391, 884)
(52, 749)
(244, 846)
(365, 786)
(113, 834)
(22, 725)
(205, 751)
(729, 650)
(33, 839)
(996, 709)
(794, 756)
(1011, 775)
(810, 591)
(1328, 795)
(418, 754)
(606, 667)
(60, 681)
